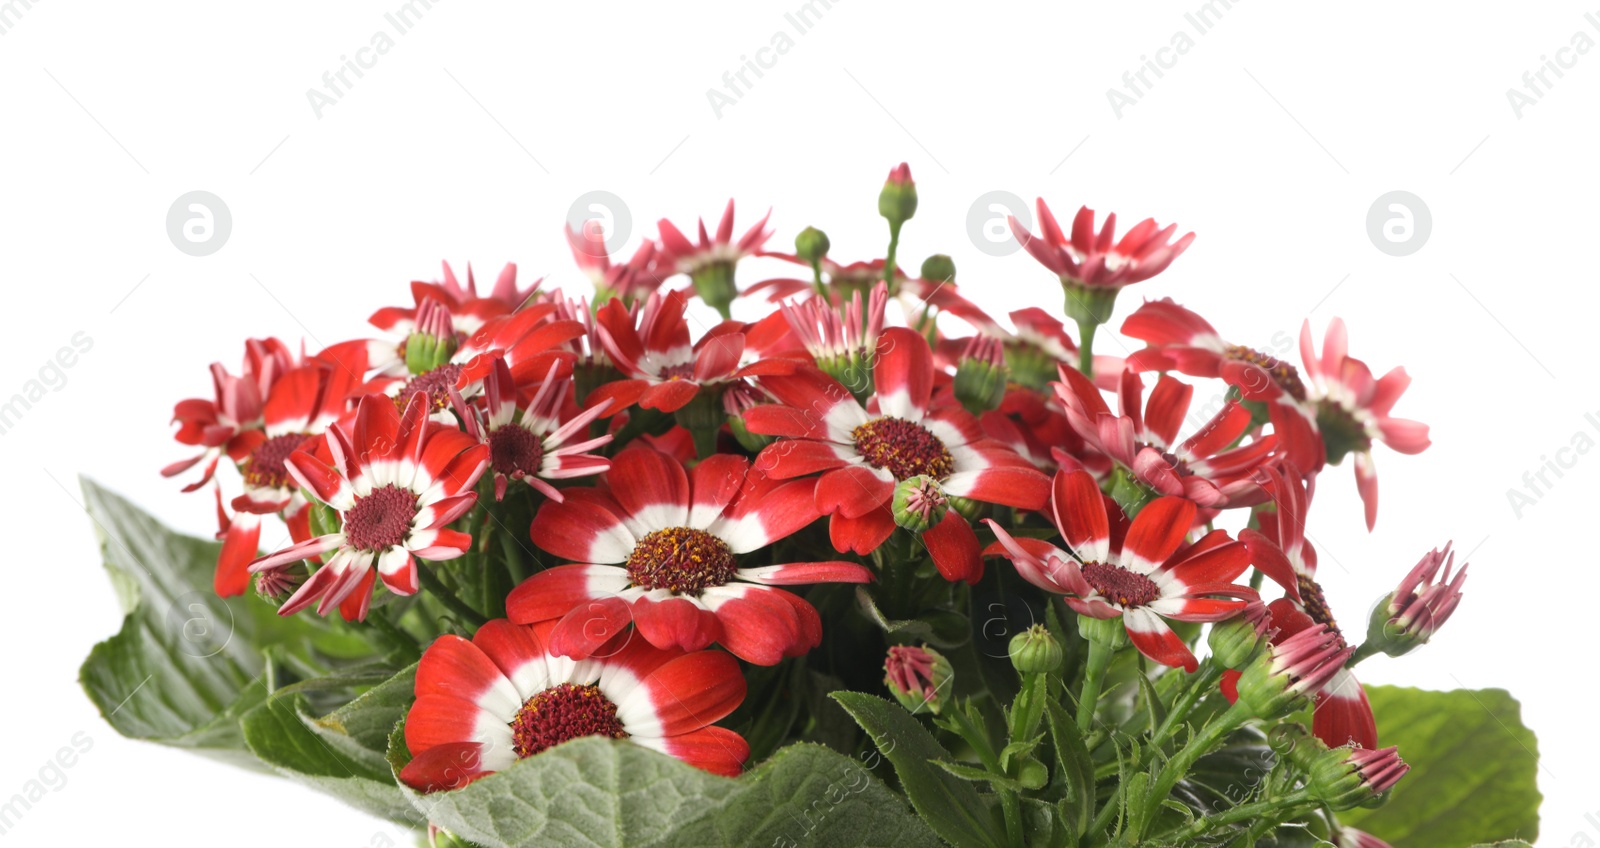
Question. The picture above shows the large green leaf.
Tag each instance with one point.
(1473, 769)
(603, 793)
(308, 751)
(186, 665)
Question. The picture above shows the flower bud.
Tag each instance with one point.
(981, 375)
(939, 268)
(919, 503)
(1418, 607)
(275, 585)
(432, 340)
(1344, 778)
(898, 200)
(917, 676)
(1285, 675)
(1238, 640)
(1035, 651)
(811, 244)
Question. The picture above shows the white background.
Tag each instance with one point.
(473, 135)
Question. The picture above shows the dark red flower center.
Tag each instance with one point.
(515, 451)
(681, 559)
(1280, 372)
(678, 372)
(903, 448)
(380, 520)
(266, 467)
(1315, 602)
(1119, 585)
(436, 384)
(563, 712)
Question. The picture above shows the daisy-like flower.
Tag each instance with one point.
(661, 368)
(396, 482)
(484, 704)
(1142, 572)
(709, 262)
(219, 426)
(1352, 409)
(841, 342)
(1143, 439)
(658, 547)
(534, 447)
(864, 451)
(1182, 341)
(1096, 260)
(1281, 552)
(468, 309)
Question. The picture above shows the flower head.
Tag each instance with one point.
(915, 677)
(546, 441)
(659, 547)
(484, 704)
(1095, 260)
(395, 483)
(1421, 604)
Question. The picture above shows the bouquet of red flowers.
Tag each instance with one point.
(875, 569)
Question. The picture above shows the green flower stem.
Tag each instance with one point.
(888, 261)
(1184, 760)
(1010, 805)
(816, 279)
(1203, 683)
(436, 587)
(1086, 347)
(705, 441)
(1269, 813)
(1093, 675)
(1364, 650)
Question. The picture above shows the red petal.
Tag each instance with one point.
(1159, 529)
(715, 749)
(852, 491)
(954, 548)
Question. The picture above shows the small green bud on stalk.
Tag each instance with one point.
(939, 268)
(811, 245)
(1237, 641)
(919, 503)
(1035, 651)
(898, 200)
(1416, 609)
(1344, 778)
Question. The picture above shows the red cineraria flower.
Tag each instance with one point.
(219, 426)
(533, 447)
(484, 704)
(683, 256)
(1093, 259)
(864, 451)
(1282, 553)
(631, 280)
(662, 369)
(1184, 342)
(1143, 439)
(658, 547)
(1142, 572)
(396, 481)
(468, 309)
(1353, 409)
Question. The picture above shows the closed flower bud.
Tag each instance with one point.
(1285, 675)
(1238, 640)
(917, 677)
(811, 244)
(432, 340)
(919, 503)
(939, 268)
(1035, 651)
(898, 200)
(981, 375)
(1418, 607)
(275, 585)
(1345, 778)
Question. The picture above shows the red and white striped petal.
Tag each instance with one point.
(1156, 640)
(903, 374)
(554, 592)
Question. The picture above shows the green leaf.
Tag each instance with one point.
(1072, 778)
(950, 805)
(976, 774)
(307, 751)
(940, 628)
(186, 664)
(602, 793)
(1473, 769)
